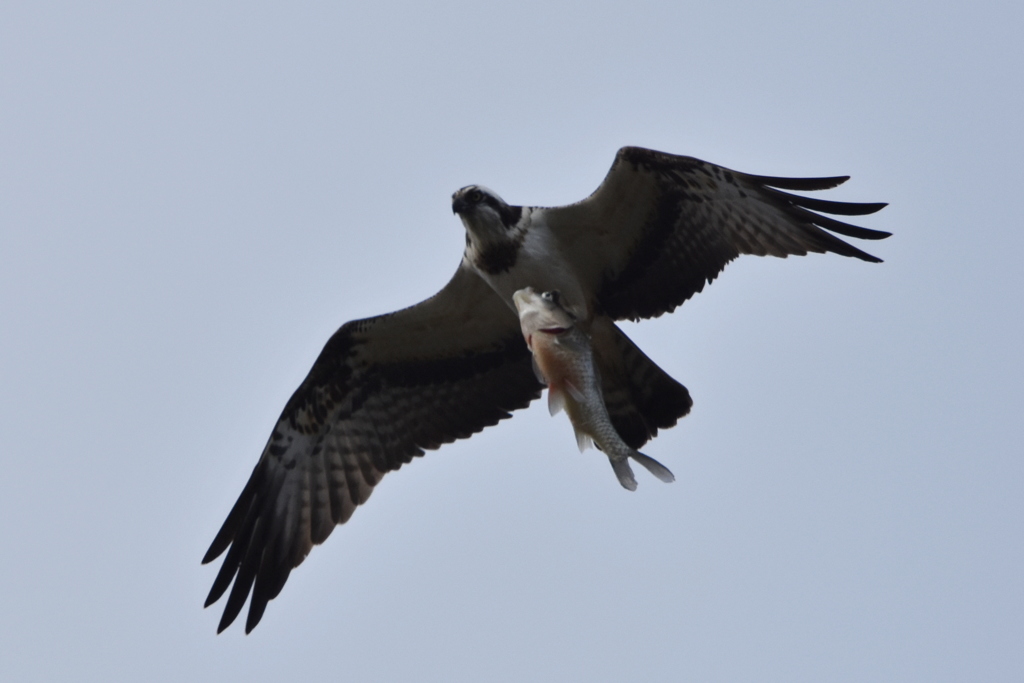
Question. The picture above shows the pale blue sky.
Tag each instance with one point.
(193, 196)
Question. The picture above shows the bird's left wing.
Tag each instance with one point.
(661, 226)
(382, 390)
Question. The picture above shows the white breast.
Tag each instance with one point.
(540, 265)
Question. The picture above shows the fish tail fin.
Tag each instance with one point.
(654, 467)
(624, 472)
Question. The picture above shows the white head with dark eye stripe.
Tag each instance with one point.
(494, 232)
(483, 212)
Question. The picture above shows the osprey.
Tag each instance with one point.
(383, 389)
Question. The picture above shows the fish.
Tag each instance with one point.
(563, 359)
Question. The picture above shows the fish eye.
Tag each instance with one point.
(551, 296)
(474, 195)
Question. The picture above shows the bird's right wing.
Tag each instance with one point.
(382, 390)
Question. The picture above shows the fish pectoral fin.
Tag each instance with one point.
(654, 467)
(583, 440)
(574, 392)
(556, 400)
(537, 373)
(624, 472)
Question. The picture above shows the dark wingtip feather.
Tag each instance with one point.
(222, 540)
(873, 234)
(221, 627)
(223, 580)
(246, 574)
(830, 242)
(225, 621)
(839, 226)
(236, 600)
(256, 610)
(812, 208)
(829, 206)
(212, 554)
(800, 184)
(239, 512)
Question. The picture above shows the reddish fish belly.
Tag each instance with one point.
(555, 366)
(549, 331)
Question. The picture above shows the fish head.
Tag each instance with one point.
(542, 313)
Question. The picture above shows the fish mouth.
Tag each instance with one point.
(554, 330)
(522, 298)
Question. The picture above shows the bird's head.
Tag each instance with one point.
(484, 213)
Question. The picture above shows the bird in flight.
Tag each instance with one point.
(384, 389)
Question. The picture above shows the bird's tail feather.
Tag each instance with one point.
(641, 397)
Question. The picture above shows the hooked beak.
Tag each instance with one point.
(458, 204)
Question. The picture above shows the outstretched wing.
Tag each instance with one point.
(382, 390)
(660, 226)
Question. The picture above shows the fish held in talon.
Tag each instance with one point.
(564, 361)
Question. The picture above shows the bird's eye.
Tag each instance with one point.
(551, 296)
(475, 195)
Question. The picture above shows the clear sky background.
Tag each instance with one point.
(195, 195)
